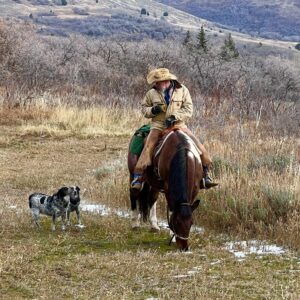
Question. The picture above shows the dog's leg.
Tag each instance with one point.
(78, 215)
(53, 221)
(68, 217)
(36, 217)
(63, 221)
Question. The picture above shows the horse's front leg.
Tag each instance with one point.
(152, 214)
(153, 218)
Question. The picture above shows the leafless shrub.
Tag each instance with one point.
(86, 71)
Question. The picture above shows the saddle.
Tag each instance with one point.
(137, 142)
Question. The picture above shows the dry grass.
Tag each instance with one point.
(65, 121)
(107, 260)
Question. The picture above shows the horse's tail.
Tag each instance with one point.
(178, 181)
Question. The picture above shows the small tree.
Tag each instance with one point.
(64, 2)
(202, 40)
(188, 38)
(143, 11)
(228, 50)
(297, 46)
(165, 14)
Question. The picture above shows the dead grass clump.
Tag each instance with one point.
(89, 122)
(17, 116)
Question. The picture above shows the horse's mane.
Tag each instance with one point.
(178, 177)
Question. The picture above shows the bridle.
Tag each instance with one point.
(169, 224)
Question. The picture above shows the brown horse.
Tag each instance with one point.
(176, 170)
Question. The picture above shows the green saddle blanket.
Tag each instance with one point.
(137, 141)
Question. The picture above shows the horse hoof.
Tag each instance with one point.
(155, 229)
(135, 227)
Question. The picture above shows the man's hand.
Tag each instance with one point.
(156, 109)
(170, 121)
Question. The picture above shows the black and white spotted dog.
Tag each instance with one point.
(57, 205)
(74, 204)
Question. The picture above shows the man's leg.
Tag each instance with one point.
(145, 158)
(206, 161)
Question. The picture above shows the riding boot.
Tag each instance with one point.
(206, 182)
(137, 182)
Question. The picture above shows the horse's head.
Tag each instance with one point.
(180, 223)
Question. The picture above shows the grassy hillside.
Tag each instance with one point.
(270, 19)
(121, 19)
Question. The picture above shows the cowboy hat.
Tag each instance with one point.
(160, 74)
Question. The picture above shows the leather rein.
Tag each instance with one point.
(169, 224)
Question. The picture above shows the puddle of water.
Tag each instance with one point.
(100, 209)
(103, 210)
(241, 249)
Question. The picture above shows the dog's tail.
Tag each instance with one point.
(30, 203)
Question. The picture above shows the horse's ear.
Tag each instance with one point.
(195, 204)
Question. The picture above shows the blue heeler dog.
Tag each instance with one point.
(57, 205)
(74, 204)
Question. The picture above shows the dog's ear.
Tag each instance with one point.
(77, 188)
(63, 192)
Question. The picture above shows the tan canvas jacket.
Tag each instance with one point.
(180, 106)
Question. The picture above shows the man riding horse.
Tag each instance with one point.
(168, 103)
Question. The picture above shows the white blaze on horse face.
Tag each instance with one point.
(153, 218)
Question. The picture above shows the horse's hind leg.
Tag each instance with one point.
(135, 213)
(152, 216)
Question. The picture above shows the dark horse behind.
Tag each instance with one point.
(176, 171)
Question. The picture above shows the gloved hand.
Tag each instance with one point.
(170, 121)
(156, 109)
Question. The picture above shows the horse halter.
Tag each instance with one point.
(174, 233)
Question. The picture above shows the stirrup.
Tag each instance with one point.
(137, 182)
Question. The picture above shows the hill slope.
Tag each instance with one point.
(270, 19)
(119, 18)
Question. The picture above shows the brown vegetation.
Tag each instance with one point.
(68, 108)
(107, 259)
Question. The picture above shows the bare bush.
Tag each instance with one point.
(85, 71)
